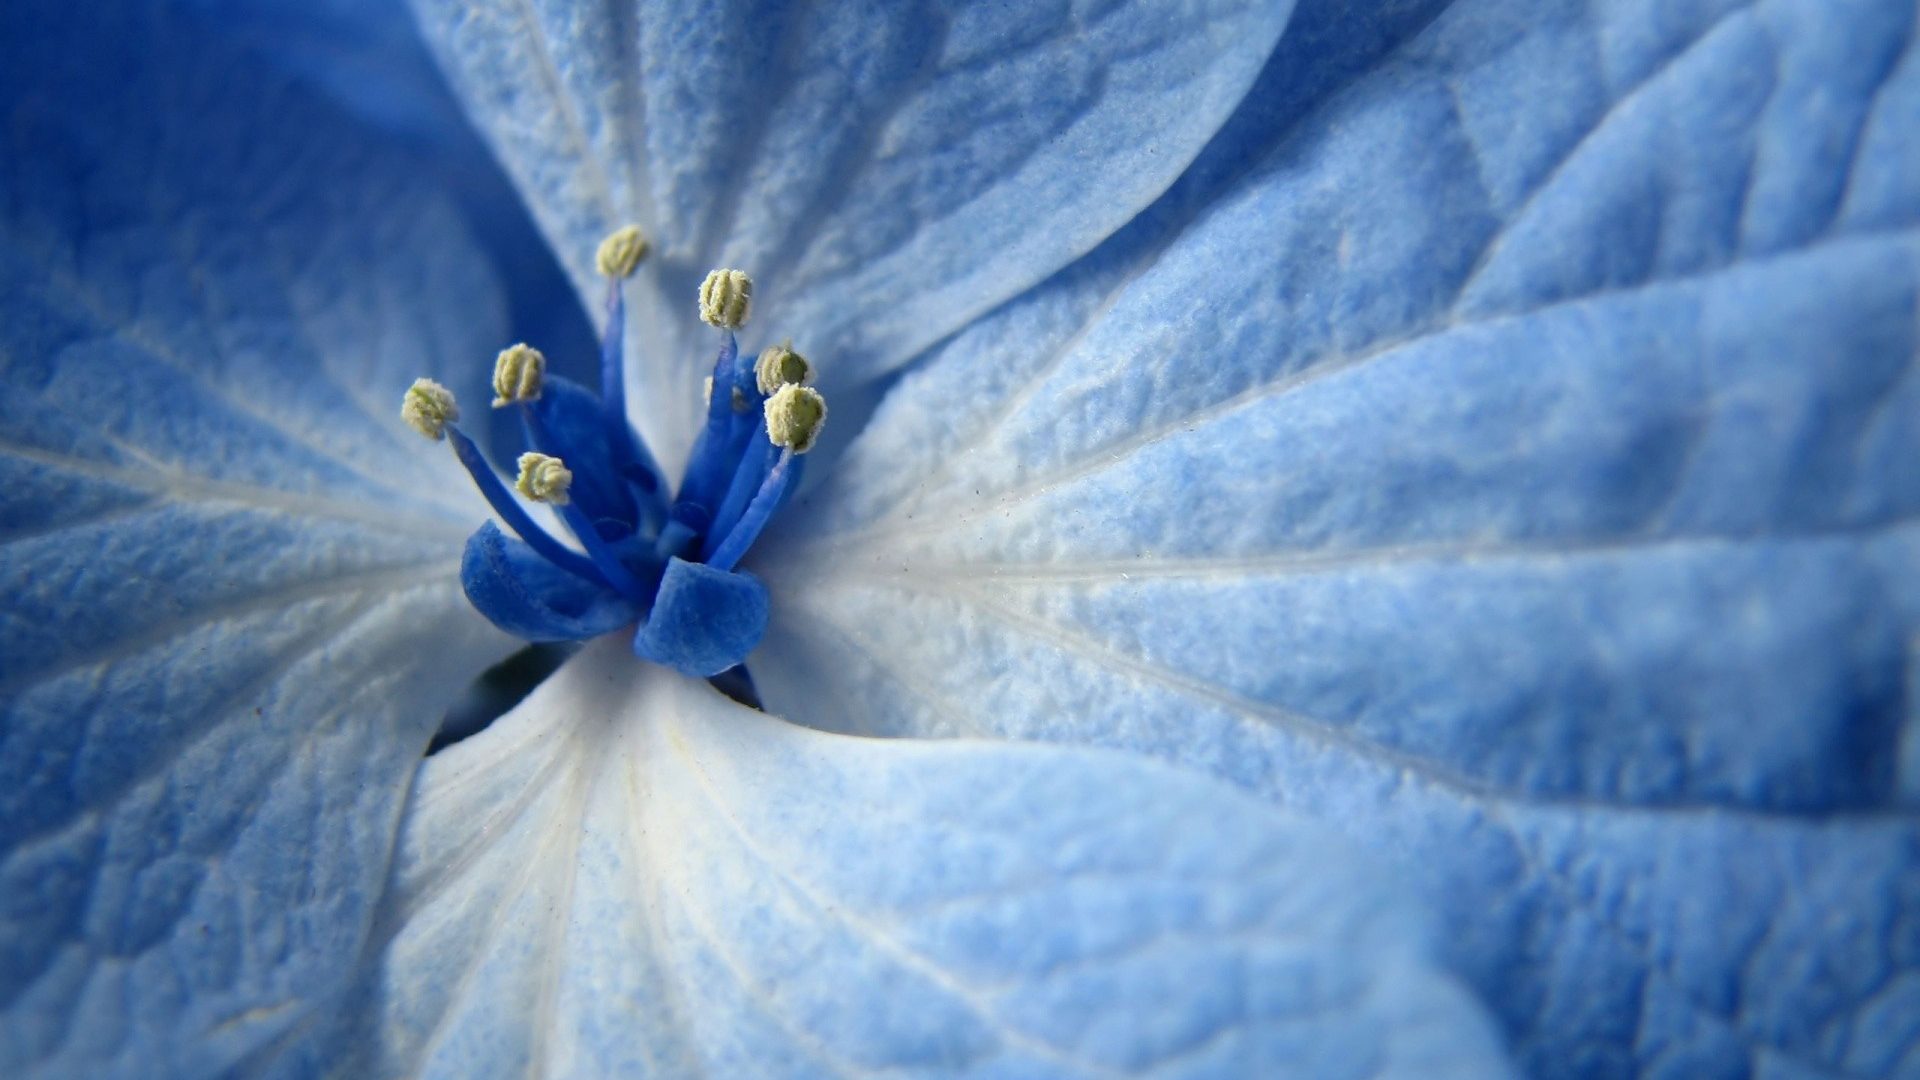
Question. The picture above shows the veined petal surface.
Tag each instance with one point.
(886, 170)
(232, 614)
(1515, 471)
(630, 875)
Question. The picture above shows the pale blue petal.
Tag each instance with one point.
(231, 614)
(1517, 472)
(886, 170)
(630, 875)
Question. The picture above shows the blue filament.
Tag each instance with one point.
(747, 476)
(709, 468)
(511, 512)
(773, 491)
(631, 458)
(617, 575)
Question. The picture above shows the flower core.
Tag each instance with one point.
(661, 566)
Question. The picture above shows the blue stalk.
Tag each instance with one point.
(603, 557)
(510, 511)
(760, 511)
(631, 458)
(753, 468)
(709, 468)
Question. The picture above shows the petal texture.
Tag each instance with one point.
(1515, 471)
(887, 170)
(632, 876)
(231, 614)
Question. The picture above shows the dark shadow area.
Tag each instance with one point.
(497, 690)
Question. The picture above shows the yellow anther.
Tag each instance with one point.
(428, 408)
(518, 373)
(543, 479)
(621, 252)
(795, 415)
(726, 298)
(780, 366)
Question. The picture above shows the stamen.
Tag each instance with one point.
(747, 478)
(711, 462)
(515, 516)
(518, 373)
(726, 298)
(780, 366)
(428, 408)
(745, 463)
(635, 464)
(620, 253)
(773, 491)
(795, 415)
(603, 557)
(544, 479)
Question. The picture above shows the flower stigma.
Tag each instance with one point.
(657, 562)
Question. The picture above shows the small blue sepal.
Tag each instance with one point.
(572, 421)
(528, 597)
(704, 621)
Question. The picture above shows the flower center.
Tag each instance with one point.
(662, 565)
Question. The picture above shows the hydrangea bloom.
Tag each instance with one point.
(1478, 432)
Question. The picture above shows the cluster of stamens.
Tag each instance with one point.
(665, 565)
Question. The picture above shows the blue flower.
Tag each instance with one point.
(1468, 443)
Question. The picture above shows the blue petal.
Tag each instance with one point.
(886, 170)
(530, 598)
(632, 876)
(1516, 470)
(218, 546)
(367, 56)
(364, 54)
(703, 621)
